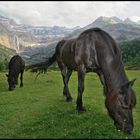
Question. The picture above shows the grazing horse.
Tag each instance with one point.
(95, 50)
(16, 67)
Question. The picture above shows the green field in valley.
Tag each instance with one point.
(39, 110)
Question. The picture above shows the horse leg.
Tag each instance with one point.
(66, 73)
(102, 79)
(21, 79)
(81, 77)
(16, 79)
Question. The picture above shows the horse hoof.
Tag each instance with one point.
(81, 110)
(11, 89)
(69, 99)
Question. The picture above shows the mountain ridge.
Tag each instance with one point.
(30, 40)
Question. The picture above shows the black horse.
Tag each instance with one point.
(96, 51)
(16, 67)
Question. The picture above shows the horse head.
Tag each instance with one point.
(120, 107)
(11, 82)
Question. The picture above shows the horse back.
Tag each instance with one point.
(65, 53)
(95, 46)
(16, 64)
(92, 48)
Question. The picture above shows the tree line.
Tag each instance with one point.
(131, 53)
(3, 64)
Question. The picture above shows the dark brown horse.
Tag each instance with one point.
(96, 51)
(16, 67)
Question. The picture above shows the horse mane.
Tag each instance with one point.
(13, 59)
(117, 75)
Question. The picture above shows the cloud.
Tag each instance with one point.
(67, 13)
(135, 18)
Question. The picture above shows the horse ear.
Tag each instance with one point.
(125, 87)
(132, 82)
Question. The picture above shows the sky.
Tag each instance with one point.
(67, 13)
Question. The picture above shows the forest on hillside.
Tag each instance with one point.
(131, 53)
(5, 55)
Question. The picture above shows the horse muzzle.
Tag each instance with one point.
(128, 129)
(11, 88)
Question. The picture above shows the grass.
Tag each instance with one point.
(39, 110)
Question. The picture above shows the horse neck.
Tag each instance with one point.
(12, 70)
(115, 77)
(11, 73)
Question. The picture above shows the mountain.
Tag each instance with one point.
(36, 42)
(6, 53)
(138, 22)
(106, 20)
(10, 33)
(120, 30)
(15, 35)
(102, 21)
(129, 21)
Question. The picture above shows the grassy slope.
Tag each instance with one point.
(39, 110)
(6, 52)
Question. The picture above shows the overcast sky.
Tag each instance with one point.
(68, 13)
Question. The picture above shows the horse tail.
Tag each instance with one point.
(42, 66)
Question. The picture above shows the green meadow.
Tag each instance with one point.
(39, 110)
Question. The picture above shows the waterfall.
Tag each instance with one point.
(17, 45)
